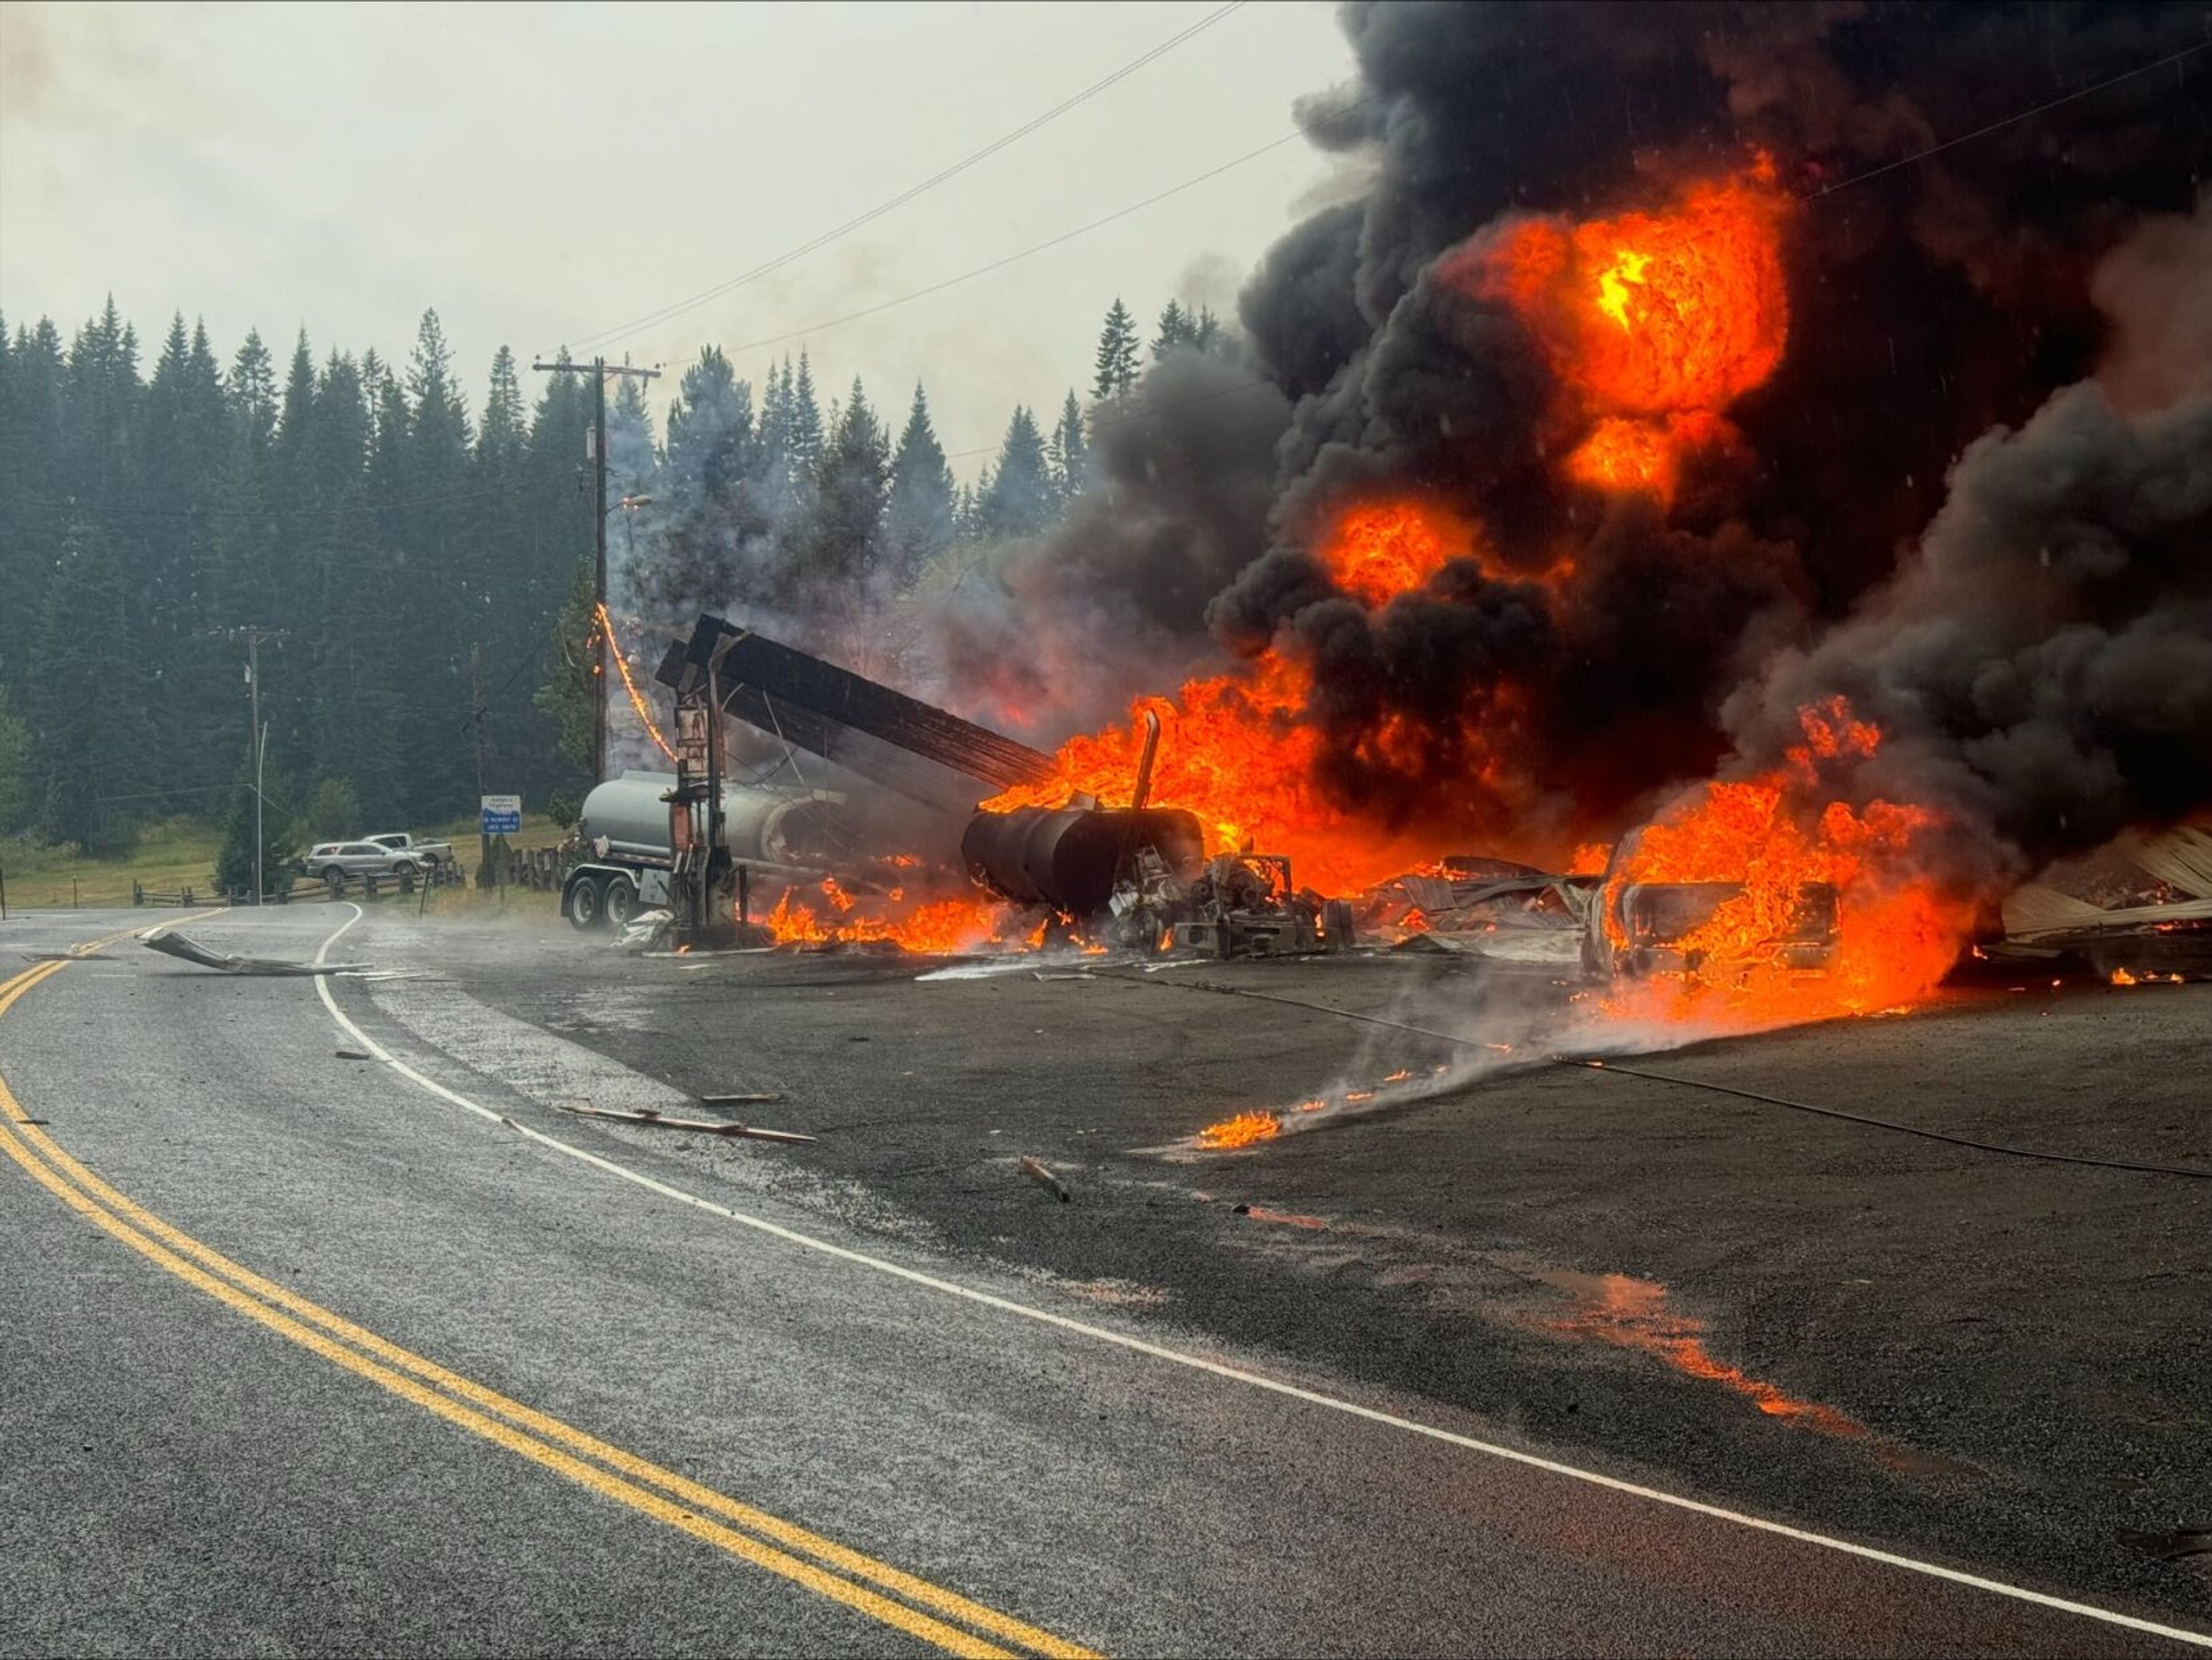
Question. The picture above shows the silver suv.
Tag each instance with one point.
(334, 864)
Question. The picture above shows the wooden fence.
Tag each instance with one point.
(537, 870)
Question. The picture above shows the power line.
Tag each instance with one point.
(666, 313)
(1298, 132)
(1994, 126)
(1804, 198)
(1136, 414)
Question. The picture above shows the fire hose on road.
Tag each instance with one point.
(1689, 1083)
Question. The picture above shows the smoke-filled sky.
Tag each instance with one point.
(540, 173)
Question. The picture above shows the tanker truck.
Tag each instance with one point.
(776, 837)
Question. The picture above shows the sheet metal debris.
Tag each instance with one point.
(172, 944)
(2140, 906)
(697, 1126)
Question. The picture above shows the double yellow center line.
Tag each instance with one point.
(938, 1616)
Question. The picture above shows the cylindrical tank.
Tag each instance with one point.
(758, 826)
(1068, 857)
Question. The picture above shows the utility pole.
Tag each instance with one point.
(253, 637)
(477, 715)
(598, 368)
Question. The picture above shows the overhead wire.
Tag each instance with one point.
(1687, 238)
(667, 314)
(881, 306)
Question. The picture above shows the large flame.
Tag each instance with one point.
(1658, 321)
(934, 927)
(1897, 931)
(1381, 550)
(1238, 749)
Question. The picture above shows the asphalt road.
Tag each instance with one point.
(309, 1353)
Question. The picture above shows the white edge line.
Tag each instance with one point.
(1489, 1449)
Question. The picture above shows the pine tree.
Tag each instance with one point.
(15, 768)
(712, 509)
(922, 511)
(1019, 501)
(781, 468)
(86, 735)
(183, 447)
(281, 846)
(292, 492)
(391, 647)
(806, 423)
(855, 479)
(569, 693)
(443, 597)
(1070, 452)
(1208, 334)
(1117, 354)
(100, 419)
(1178, 328)
(558, 490)
(297, 516)
(244, 539)
(33, 484)
(710, 430)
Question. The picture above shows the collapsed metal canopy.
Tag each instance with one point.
(898, 741)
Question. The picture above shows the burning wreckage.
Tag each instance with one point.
(1135, 877)
(1795, 582)
(1141, 878)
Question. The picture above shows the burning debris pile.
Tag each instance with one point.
(1866, 485)
(1772, 446)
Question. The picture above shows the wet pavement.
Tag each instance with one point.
(1990, 1363)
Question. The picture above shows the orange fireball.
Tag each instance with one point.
(1380, 550)
(1238, 749)
(1658, 321)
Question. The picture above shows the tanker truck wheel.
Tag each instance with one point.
(586, 905)
(620, 901)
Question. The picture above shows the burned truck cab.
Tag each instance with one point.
(1638, 929)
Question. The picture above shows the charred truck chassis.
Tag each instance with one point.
(1086, 862)
(1139, 870)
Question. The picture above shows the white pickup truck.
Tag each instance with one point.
(431, 852)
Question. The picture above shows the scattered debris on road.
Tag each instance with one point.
(2139, 910)
(353, 1054)
(1044, 1178)
(172, 944)
(697, 1126)
(754, 1099)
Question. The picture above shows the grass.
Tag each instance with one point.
(176, 852)
(180, 853)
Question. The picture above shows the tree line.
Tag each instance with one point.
(417, 577)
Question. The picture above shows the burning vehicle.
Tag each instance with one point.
(1786, 473)
(1646, 928)
(1136, 876)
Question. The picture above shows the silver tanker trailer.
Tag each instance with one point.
(775, 836)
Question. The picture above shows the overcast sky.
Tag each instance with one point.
(541, 174)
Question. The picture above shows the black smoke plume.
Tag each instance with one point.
(2037, 638)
